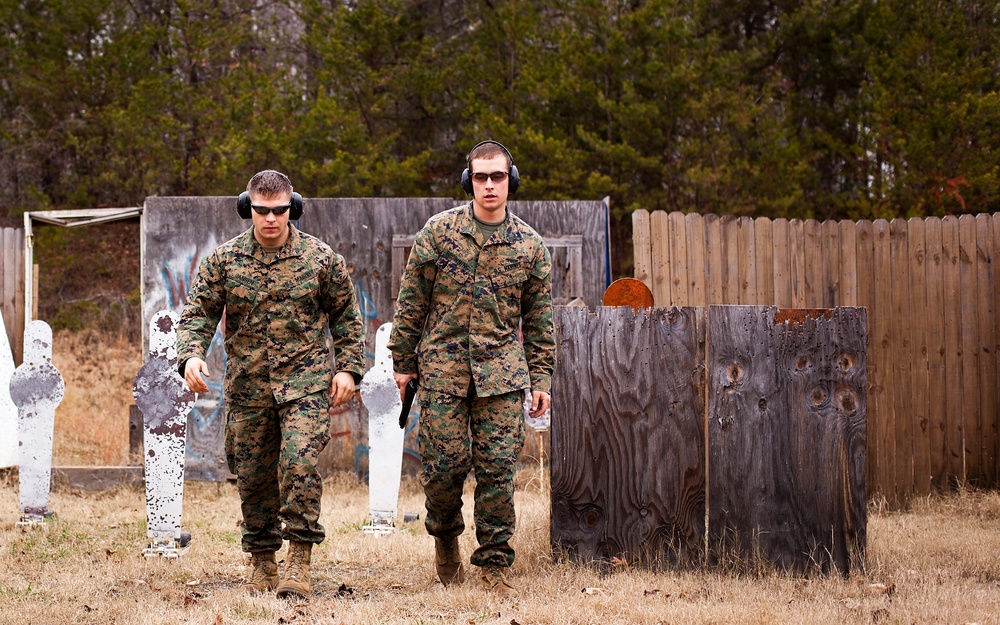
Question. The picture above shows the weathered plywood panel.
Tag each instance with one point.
(786, 435)
(627, 443)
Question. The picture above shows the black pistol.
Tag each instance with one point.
(408, 395)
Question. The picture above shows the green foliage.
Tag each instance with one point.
(809, 109)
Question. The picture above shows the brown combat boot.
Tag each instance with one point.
(296, 579)
(263, 574)
(494, 580)
(448, 561)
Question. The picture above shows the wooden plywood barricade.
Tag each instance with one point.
(786, 435)
(177, 232)
(763, 408)
(627, 438)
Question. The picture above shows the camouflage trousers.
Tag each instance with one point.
(273, 451)
(482, 434)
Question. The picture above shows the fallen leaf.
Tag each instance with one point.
(514, 622)
(189, 600)
(619, 562)
(654, 591)
(592, 591)
(885, 589)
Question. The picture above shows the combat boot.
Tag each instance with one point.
(494, 580)
(296, 578)
(263, 573)
(448, 561)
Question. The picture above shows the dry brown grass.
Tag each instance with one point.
(937, 563)
(92, 419)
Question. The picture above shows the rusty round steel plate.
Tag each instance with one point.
(628, 292)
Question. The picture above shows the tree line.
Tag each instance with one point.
(783, 108)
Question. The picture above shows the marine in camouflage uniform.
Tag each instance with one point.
(280, 290)
(468, 287)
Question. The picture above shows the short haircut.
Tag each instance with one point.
(488, 149)
(269, 184)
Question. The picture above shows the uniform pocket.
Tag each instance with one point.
(507, 287)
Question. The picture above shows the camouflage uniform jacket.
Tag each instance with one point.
(276, 318)
(460, 302)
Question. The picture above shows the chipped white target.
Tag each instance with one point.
(165, 401)
(36, 388)
(385, 438)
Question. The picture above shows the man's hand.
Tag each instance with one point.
(341, 389)
(401, 380)
(540, 402)
(194, 368)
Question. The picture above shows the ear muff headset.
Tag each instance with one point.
(244, 209)
(515, 178)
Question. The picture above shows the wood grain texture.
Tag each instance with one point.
(831, 250)
(747, 251)
(659, 235)
(968, 261)
(881, 392)
(934, 316)
(901, 381)
(697, 264)
(764, 247)
(786, 431)
(951, 280)
(865, 248)
(714, 261)
(986, 382)
(678, 262)
(642, 260)
(797, 263)
(919, 423)
(814, 264)
(782, 264)
(731, 259)
(627, 439)
(847, 291)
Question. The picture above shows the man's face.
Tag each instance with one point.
(488, 195)
(270, 229)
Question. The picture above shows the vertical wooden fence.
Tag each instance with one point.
(930, 289)
(12, 287)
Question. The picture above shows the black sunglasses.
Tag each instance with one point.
(497, 177)
(277, 210)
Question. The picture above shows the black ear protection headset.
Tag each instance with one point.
(243, 206)
(515, 178)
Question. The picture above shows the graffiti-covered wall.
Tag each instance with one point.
(177, 232)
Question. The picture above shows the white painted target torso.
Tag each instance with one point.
(385, 438)
(37, 388)
(165, 401)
